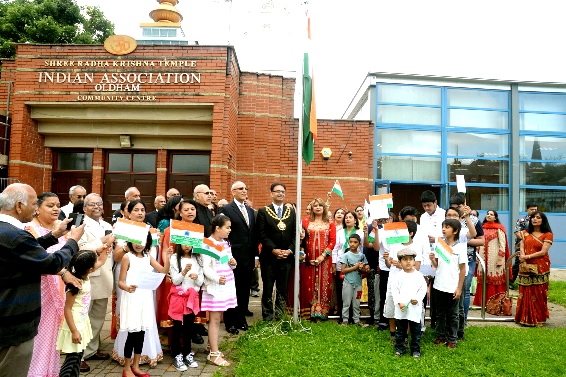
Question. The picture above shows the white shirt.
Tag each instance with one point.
(448, 274)
(12, 221)
(395, 248)
(276, 209)
(68, 208)
(404, 288)
(432, 224)
(340, 246)
(421, 239)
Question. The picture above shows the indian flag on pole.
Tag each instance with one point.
(443, 250)
(309, 103)
(337, 189)
(212, 250)
(396, 233)
(131, 231)
(371, 235)
(184, 233)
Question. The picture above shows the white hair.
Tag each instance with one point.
(236, 184)
(127, 193)
(89, 196)
(13, 194)
(73, 188)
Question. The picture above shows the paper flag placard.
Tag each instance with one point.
(184, 233)
(379, 206)
(367, 219)
(212, 250)
(337, 189)
(154, 236)
(443, 250)
(396, 233)
(461, 184)
(131, 231)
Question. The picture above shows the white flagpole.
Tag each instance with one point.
(298, 210)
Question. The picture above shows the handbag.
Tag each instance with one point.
(499, 304)
(528, 268)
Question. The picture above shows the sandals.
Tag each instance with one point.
(213, 358)
(207, 350)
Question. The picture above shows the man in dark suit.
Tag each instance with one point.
(203, 197)
(276, 228)
(244, 249)
(151, 217)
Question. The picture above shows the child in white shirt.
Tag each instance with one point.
(408, 288)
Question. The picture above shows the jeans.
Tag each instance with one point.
(401, 333)
(467, 286)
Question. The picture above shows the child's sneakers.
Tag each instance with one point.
(417, 355)
(440, 342)
(190, 360)
(344, 324)
(451, 345)
(179, 364)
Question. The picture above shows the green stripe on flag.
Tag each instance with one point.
(221, 259)
(183, 240)
(308, 139)
(128, 239)
(397, 239)
(442, 254)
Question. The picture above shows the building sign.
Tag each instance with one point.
(89, 73)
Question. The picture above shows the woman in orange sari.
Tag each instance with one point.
(316, 276)
(534, 272)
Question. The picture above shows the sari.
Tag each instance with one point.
(315, 290)
(532, 304)
(495, 253)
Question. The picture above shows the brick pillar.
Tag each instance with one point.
(48, 172)
(98, 171)
(161, 186)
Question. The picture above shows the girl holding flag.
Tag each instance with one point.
(450, 259)
(219, 291)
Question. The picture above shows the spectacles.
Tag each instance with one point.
(241, 188)
(205, 193)
(80, 196)
(359, 210)
(278, 192)
(95, 204)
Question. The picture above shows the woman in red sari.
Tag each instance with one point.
(534, 272)
(316, 276)
(495, 253)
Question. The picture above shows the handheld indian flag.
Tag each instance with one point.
(443, 250)
(380, 205)
(212, 250)
(184, 233)
(154, 236)
(371, 235)
(396, 233)
(337, 189)
(131, 231)
(309, 103)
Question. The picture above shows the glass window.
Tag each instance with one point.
(119, 161)
(546, 200)
(74, 161)
(481, 145)
(544, 174)
(542, 148)
(542, 102)
(485, 198)
(408, 115)
(417, 95)
(190, 163)
(487, 99)
(542, 122)
(479, 171)
(478, 119)
(146, 32)
(408, 168)
(144, 163)
(408, 142)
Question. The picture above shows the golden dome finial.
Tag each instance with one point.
(166, 12)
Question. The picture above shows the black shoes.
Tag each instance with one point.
(233, 330)
(249, 314)
(197, 339)
(201, 330)
(244, 326)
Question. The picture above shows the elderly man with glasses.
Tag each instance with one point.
(203, 197)
(76, 194)
(97, 237)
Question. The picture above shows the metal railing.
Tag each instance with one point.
(5, 182)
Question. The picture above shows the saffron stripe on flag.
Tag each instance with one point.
(396, 232)
(443, 250)
(131, 231)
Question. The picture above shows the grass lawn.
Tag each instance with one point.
(332, 350)
(557, 292)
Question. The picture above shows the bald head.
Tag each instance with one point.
(19, 200)
(159, 202)
(132, 193)
(172, 192)
(203, 195)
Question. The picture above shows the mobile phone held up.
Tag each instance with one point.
(77, 220)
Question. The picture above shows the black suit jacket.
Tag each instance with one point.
(151, 218)
(243, 240)
(204, 217)
(271, 237)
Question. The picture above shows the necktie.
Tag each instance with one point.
(245, 214)
(279, 212)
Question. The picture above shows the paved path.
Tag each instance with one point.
(110, 368)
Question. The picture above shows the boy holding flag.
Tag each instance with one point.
(450, 259)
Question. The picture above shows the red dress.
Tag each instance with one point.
(495, 253)
(316, 281)
(532, 304)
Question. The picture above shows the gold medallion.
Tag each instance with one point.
(281, 225)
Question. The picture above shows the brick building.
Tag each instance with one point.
(166, 116)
